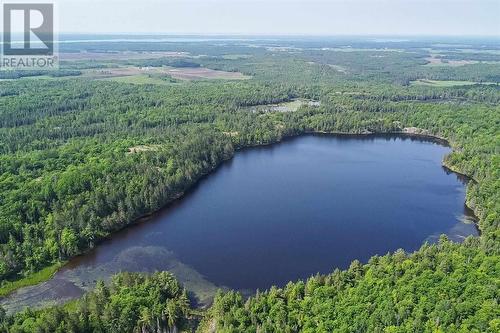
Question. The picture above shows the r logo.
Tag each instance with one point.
(36, 20)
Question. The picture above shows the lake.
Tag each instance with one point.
(283, 212)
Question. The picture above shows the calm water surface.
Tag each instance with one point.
(281, 213)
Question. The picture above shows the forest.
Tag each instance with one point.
(131, 302)
(81, 158)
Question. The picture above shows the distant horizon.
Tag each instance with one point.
(160, 33)
(270, 35)
(452, 18)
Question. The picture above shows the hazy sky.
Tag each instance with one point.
(324, 17)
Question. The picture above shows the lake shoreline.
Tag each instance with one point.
(179, 196)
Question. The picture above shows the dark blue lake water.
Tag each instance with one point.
(285, 212)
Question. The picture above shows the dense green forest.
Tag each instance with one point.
(440, 288)
(81, 158)
(132, 302)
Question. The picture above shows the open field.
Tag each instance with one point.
(451, 83)
(118, 55)
(291, 106)
(146, 74)
(339, 68)
(143, 79)
(435, 61)
(203, 73)
(236, 56)
(439, 60)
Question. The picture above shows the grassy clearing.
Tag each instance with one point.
(236, 56)
(31, 280)
(141, 79)
(438, 83)
(290, 106)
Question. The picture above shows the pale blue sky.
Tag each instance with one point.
(316, 17)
